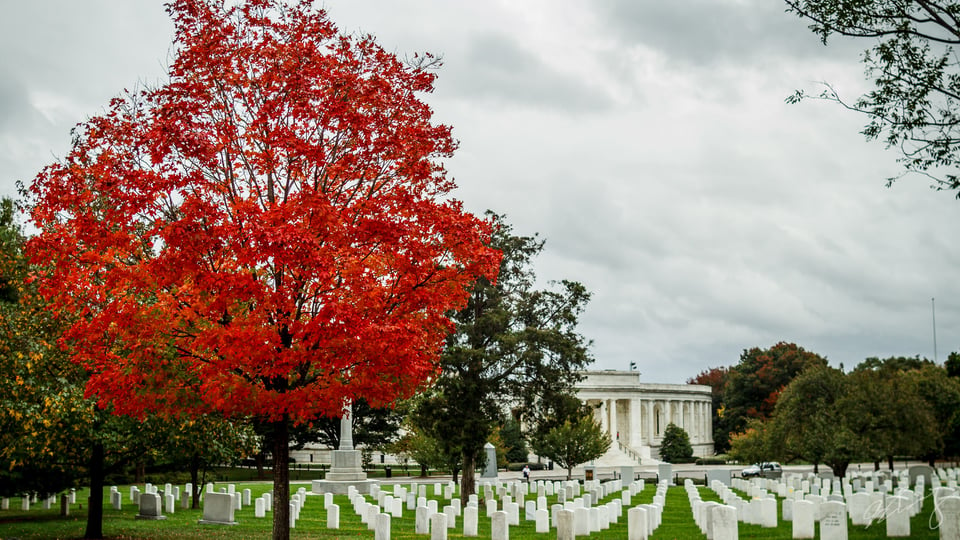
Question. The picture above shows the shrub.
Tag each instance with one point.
(675, 445)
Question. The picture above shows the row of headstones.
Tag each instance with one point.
(220, 508)
(864, 506)
(805, 510)
(573, 518)
(819, 486)
(717, 521)
(66, 499)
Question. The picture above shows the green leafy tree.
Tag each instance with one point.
(576, 442)
(202, 443)
(885, 408)
(556, 409)
(514, 346)
(916, 73)
(415, 445)
(952, 365)
(811, 421)
(753, 386)
(513, 440)
(941, 394)
(751, 445)
(51, 436)
(675, 446)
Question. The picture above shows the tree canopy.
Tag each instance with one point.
(575, 442)
(514, 346)
(268, 233)
(753, 385)
(911, 59)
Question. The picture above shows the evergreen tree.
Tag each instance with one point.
(675, 446)
(514, 347)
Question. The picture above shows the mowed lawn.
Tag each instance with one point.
(677, 522)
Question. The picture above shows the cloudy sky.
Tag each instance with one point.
(648, 142)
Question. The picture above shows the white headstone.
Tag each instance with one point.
(858, 507)
(470, 520)
(566, 528)
(499, 527)
(438, 526)
(382, 530)
(512, 510)
(581, 521)
(948, 516)
(218, 509)
(542, 519)
(333, 516)
(259, 507)
(723, 520)
(451, 516)
(833, 521)
(422, 524)
(768, 513)
(803, 519)
(898, 516)
(637, 524)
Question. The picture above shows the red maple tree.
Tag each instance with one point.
(267, 234)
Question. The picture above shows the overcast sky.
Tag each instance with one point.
(648, 142)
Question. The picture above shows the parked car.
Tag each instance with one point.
(767, 469)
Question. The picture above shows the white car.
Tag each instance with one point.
(767, 469)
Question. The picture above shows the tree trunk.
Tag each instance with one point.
(839, 469)
(95, 503)
(816, 468)
(195, 481)
(423, 470)
(876, 465)
(259, 460)
(569, 473)
(889, 463)
(281, 479)
(469, 476)
(456, 471)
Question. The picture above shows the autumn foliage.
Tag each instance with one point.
(268, 233)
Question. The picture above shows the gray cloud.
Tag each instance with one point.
(702, 32)
(495, 68)
(648, 142)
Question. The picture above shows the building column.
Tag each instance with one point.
(697, 420)
(650, 422)
(683, 414)
(704, 420)
(708, 421)
(635, 423)
(603, 416)
(614, 427)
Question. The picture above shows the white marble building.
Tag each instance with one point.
(636, 414)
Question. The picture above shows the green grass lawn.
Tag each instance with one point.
(677, 521)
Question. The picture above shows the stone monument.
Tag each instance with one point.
(347, 467)
(490, 470)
